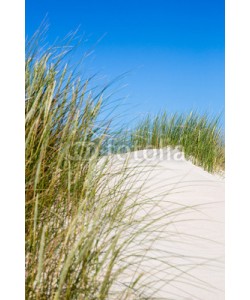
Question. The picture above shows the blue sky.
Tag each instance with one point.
(173, 49)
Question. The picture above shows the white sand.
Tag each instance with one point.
(190, 238)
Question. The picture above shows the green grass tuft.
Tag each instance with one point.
(198, 136)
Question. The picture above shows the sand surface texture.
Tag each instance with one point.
(183, 249)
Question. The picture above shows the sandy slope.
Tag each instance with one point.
(188, 241)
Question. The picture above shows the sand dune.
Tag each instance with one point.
(188, 241)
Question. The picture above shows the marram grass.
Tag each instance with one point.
(82, 213)
(80, 219)
(198, 136)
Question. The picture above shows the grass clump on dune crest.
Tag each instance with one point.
(197, 135)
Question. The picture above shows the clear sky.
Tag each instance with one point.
(174, 49)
